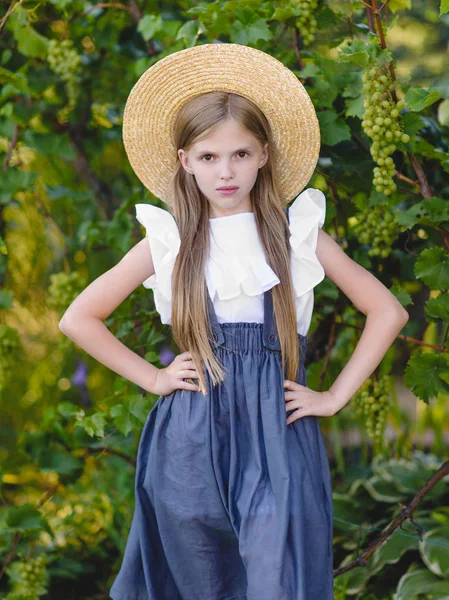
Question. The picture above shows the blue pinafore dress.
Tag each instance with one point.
(230, 501)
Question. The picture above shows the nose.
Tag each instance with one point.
(226, 171)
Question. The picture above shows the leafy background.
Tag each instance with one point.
(69, 426)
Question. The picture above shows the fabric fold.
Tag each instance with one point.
(306, 214)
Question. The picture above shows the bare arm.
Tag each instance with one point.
(385, 316)
(83, 320)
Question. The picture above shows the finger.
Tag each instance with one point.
(188, 373)
(295, 416)
(291, 384)
(185, 385)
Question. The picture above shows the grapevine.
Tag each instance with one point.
(64, 288)
(30, 579)
(377, 227)
(306, 21)
(372, 401)
(382, 123)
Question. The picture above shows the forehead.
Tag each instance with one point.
(228, 135)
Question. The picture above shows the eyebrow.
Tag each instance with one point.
(245, 148)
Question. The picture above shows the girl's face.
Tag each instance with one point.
(230, 156)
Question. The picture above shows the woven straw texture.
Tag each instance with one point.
(161, 91)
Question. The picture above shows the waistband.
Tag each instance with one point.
(250, 336)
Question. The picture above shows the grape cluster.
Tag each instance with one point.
(32, 579)
(65, 61)
(373, 401)
(64, 288)
(382, 123)
(306, 22)
(377, 227)
(10, 347)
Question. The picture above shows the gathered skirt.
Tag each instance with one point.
(230, 501)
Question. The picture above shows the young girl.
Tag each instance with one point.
(233, 490)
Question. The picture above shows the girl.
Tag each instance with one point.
(233, 490)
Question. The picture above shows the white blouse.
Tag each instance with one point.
(237, 274)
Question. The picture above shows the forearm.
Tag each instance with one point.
(380, 331)
(92, 335)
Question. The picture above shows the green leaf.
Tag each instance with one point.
(432, 267)
(333, 130)
(244, 34)
(443, 112)
(149, 25)
(30, 42)
(417, 98)
(26, 518)
(420, 581)
(122, 418)
(437, 309)
(431, 212)
(354, 107)
(6, 299)
(423, 375)
(382, 491)
(18, 80)
(94, 424)
(395, 5)
(395, 546)
(63, 463)
(404, 297)
(189, 32)
(444, 7)
(435, 551)
(282, 14)
(355, 53)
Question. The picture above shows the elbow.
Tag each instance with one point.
(66, 323)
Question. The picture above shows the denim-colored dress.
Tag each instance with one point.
(230, 501)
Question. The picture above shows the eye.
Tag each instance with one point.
(241, 152)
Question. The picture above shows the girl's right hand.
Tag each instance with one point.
(171, 378)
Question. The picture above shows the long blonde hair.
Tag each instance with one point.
(190, 319)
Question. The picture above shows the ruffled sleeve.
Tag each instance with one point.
(163, 236)
(306, 215)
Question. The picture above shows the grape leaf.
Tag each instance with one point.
(333, 131)
(438, 308)
(423, 375)
(417, 98)
(432, 267)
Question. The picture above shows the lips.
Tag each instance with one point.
(227, 189)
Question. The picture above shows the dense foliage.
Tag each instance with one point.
(70, 426)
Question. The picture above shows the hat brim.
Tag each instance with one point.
(163, 88)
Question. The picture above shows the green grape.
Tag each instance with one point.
(306, 21)
(64, 288)
(31, 580)
(381, 122)
(378, 228)
(65, 61)
(372, 401)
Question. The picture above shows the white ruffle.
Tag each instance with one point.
(306, 214)
(227, 277)
(163, 236)
(236, 263)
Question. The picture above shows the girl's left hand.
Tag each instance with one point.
(307, 402)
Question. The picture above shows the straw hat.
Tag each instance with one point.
(163, 88)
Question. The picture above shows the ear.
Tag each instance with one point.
(184, 159)
(264, 157)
